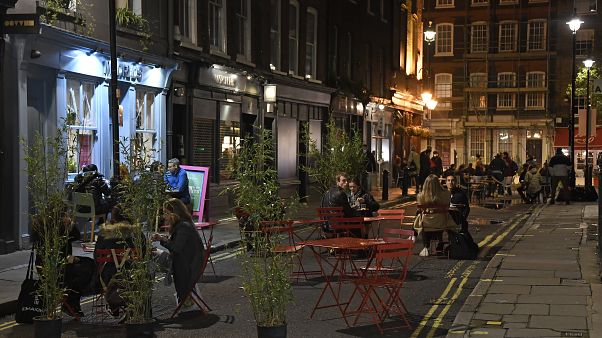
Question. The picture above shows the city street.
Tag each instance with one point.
(435, 290)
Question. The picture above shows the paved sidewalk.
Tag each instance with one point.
(544, 282)
(226, 234)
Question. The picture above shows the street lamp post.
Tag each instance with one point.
(427, 95)
(574, 26)
(588, 173)
(114, 105)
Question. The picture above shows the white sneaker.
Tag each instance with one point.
(424, 252)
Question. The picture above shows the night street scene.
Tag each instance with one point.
(300, 168)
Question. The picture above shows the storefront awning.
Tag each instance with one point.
(562, 139)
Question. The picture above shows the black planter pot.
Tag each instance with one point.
(47, 328)
(139, 330)
(271, 331)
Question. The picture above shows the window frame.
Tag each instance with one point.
(276, 36)
(438, 39)
(244, 31)
(543, 38)
(445, 4)
(221, 26)
(478, 3)
(86, 128)
(314, 42)
(190, 16)
(538, 96)
(477, 84)
(585, 50)
(512, 96)
(145, 93)
(443, 90)
(293, 58)
(477, 142)
(514, 24)
(472, 36)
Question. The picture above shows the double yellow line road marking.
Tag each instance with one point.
(486, 244)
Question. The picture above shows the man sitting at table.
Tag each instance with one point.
(362, 203)
(337, 197)
(177, 181)
(459, 201)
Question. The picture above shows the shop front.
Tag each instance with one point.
(561, 140)
(295, 109)
(63, 80)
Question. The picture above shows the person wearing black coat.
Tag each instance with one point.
(337, 197)
(184, 244)
(425, 166)
(91, 181)
(79, 271)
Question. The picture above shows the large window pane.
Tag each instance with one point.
(444, 39)
(275, 34)
(293, 37)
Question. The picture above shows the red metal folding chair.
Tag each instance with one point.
(393, 215)
(328, 213)
(289, 246)
(119, 257)
(348, 227)
(388, 273)
(193, 293)
(395, 235)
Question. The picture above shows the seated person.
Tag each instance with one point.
(79, 271)
(184, 245)
(459, 201)
(434, 224)
(116, 234)
(362, 203)
(93, 182)
(530, 191)
(337, 197)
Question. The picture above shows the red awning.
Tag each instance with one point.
(562, 139)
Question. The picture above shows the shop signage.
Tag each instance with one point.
(22, 24)
(126, 71)
(227, 80)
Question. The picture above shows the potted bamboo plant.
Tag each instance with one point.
(143, 194)
(265, 274)
(47, 172)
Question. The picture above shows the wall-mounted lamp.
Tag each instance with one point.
(272, 67)
(426, 96)
(35, 53)
(381, 106)
(269, 93)
(179, 91)
(307, 76)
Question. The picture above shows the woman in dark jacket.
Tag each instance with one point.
(184, 245)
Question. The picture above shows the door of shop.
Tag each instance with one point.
(444, 149)
(534, 149)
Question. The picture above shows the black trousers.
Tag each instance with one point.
(565, 193)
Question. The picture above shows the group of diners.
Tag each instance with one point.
(87, 275)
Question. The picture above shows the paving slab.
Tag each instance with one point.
(531, 309)
(525, 333)
(530, 281)
(515, 318)
(560, 323)
(500, 298)
(568, 310)
(489, 333)
(508, 288)
(524, 273)
(561, 290)
(496, 308)
(552, 299)
(486, 316)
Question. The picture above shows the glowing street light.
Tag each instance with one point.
(426, 96)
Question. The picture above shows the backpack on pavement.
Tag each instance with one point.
(462, 246)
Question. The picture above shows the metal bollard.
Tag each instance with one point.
(385, 196)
